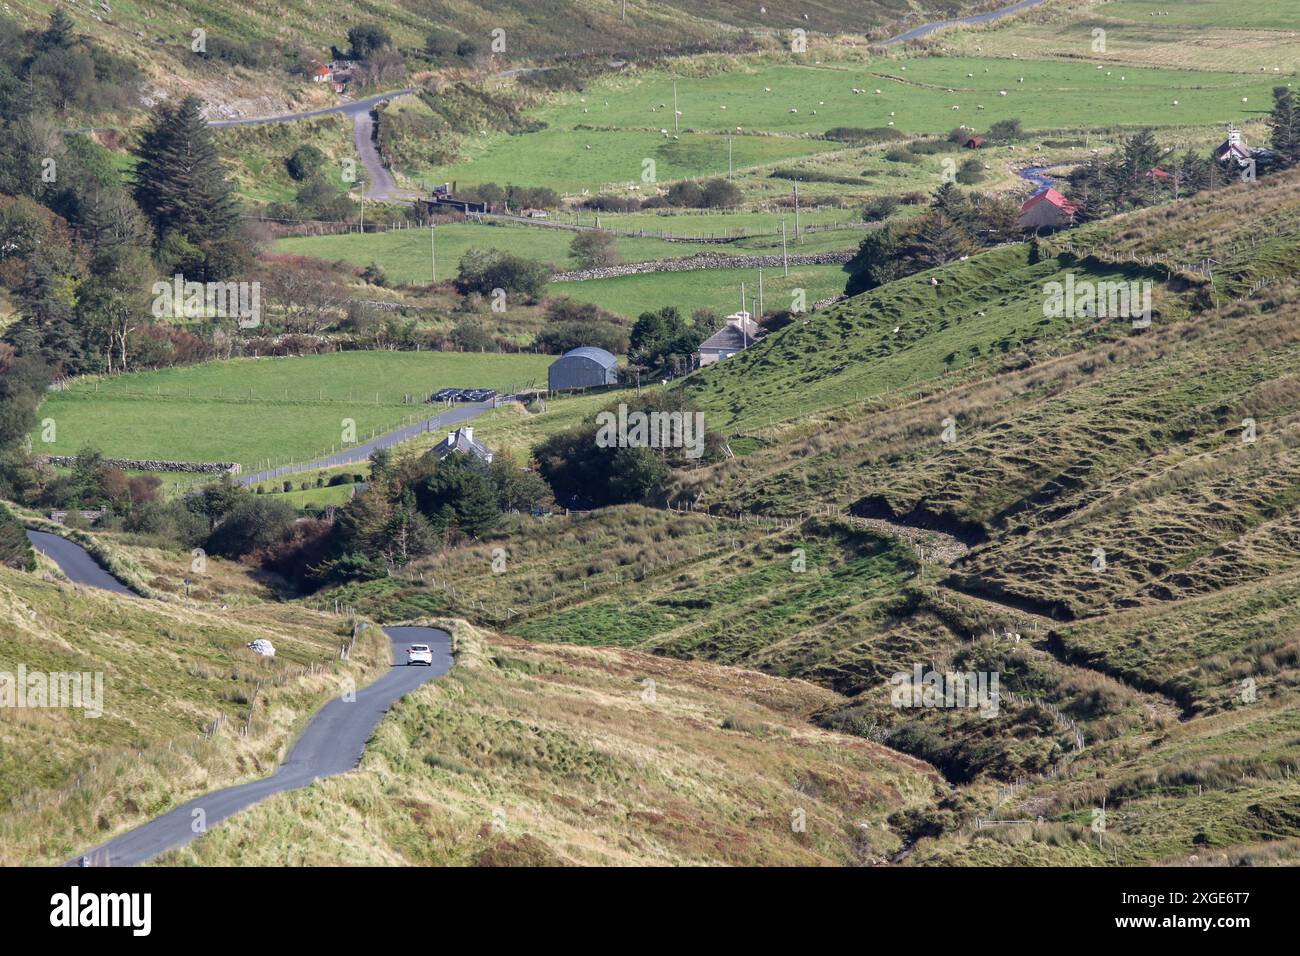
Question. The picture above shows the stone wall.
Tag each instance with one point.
(149, 464)
(702, 262)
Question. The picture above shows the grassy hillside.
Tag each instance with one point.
(848, 542)
(555, 755)
(170, 670)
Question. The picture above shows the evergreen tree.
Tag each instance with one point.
(1284, 121)
(179, 182)
(939, 240)
(58, 35)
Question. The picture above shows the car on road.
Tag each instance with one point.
(419, 654)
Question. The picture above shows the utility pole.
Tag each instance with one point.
(625, 11)
(363, 207)
(759, 314)
(744, 332)
(674, 106)
(796, 212)
(785, 259)
(729, 167)
(433, 255)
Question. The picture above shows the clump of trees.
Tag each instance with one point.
(955, 224)
(665, 340)
(482, 271)
(582, 472)
(688, 194)
(569, 324)
(413, 507)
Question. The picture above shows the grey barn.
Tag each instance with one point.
(583, 367)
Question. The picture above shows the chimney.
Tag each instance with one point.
(468, 433)
(1234, 136)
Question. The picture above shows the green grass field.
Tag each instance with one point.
(716, 289)
(251, 410)
(920, 95)
(577, 161)
(406, 257)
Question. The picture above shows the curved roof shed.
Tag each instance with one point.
(583, 367)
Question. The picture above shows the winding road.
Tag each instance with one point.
(76, 562)
(383, 187)
(332, 744)
(927, 28)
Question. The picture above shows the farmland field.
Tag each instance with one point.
(716, 289)
(1244, 36)
(405, 254)
(621, 119)
(251, 410)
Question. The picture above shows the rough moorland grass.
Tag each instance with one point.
(545, 755)
(1244, 36)
(250, 410)
(68, 782)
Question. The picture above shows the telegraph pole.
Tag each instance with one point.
(433, 254)
(674, 106)
(785, 259)
(759, 314)
(796, 211)
(729, 167)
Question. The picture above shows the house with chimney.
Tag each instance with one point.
(739, 333)
(462, 441)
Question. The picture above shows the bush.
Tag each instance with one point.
(482, 271)
(287, 486)
(253, 525)
(901, 154)
(595, 249)
(880, 208)
(305, 162)
(15, 549)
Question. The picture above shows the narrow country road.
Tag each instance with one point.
(383, 188)
(359, 453)
(351, 109)
(76, 562)
(332, 744)
(928, 28)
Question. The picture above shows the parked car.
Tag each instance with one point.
(419, 654)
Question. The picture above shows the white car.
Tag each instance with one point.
(419, 654)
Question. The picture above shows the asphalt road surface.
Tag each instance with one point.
(928, 28)
(76, 562)
(359, 453)
(351, 108)
(332, 744)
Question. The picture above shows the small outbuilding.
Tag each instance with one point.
(1047, 209)
(583, 367)
(975, 142)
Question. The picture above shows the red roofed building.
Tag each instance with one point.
(321, 74)
(975, 142)
(1047, 209)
